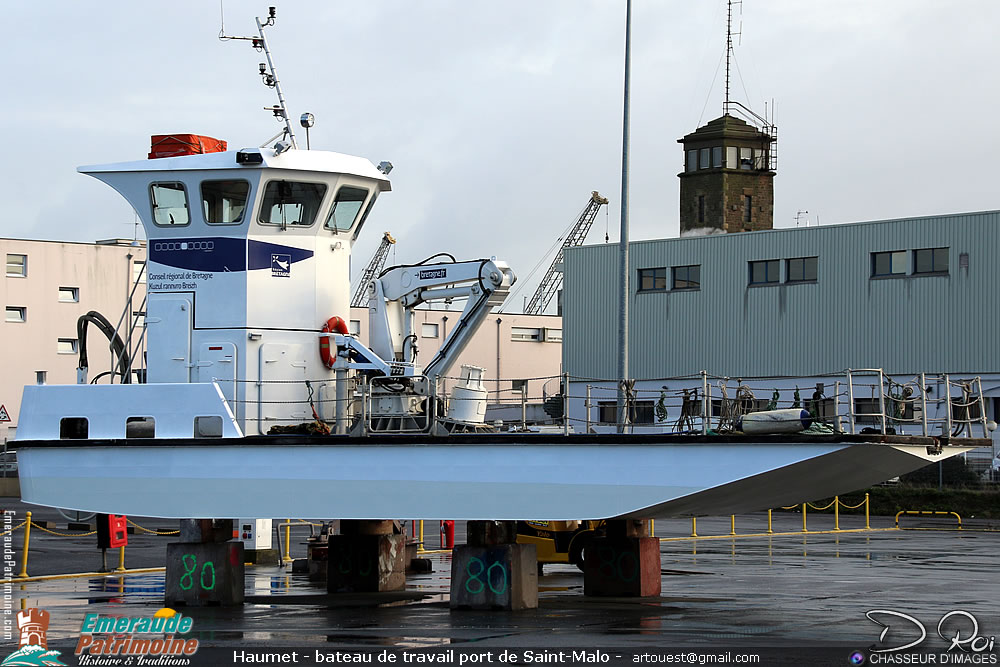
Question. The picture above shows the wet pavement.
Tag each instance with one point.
(779, 590)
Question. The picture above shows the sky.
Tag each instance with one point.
(501, 118)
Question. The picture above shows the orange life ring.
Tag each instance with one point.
(333, 325)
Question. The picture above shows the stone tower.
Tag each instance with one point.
(728, 180)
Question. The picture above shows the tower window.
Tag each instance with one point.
(801, 270)
(766, 272)
(717, 156)
(705, 157)
(746, 158)
(747, 208)
(930, 260)
(692, 163)
(701, 208)
(731, 162)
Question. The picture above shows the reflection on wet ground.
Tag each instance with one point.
(806, 589)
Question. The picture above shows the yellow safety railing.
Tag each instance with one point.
(836, 504)
(927, 513)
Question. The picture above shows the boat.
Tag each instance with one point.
(255, 400)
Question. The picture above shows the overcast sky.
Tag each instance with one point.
(501, 117)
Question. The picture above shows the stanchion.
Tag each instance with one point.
(694, 527)
(121, 559)
(732, 524)
(420, 546)
(836, 512)
(804, 529)
(24, 551)
(288, 541)
(769, 531)
(868, 524)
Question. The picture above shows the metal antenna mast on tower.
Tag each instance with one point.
(729, 48)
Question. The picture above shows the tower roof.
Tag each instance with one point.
(726, 126)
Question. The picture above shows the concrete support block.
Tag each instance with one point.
(503, 577)
(366, 563)
(622, 567)
(202, 574)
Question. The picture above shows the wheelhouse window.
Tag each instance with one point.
(801, 270)
(889, 263)
(930, 260)
(291, 203)
(224, 202)
(766, 272)
(170, 204)
(345, 208)
(17, 265)
(686, 277)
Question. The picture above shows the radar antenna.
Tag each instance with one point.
(268, 75)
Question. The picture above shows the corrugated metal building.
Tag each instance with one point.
(898, 316)
(796, 306)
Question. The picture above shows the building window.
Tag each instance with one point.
(731, 161)
(801, 270)
(354, 327)
(889, 263)
(686, 277)
(224, 202)
(553, 335)
(17, 313)
(170, 204)
(746, 158)
(766, 272)
(747, 208)
(930, 260)
(692, 163)
(653, 280)
(701, 208)
(69, 294)
(17, 266)
(525, 333)
(66, 346)
(642, 412)
(428, 330)
(139, 272)
(706, 155)
(717, 156)
(518, 385)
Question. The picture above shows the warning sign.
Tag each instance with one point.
(4, 417)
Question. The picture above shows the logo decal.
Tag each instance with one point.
(433, 273)
(32, 649)
(281, 265)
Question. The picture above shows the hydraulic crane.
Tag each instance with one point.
(553, 278)
(378, 261)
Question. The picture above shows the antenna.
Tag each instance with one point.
(267, 72)
(729, 45)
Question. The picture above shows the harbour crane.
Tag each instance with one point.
(553, 278)
(378, 261)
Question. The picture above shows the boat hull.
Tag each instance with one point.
(471, 477)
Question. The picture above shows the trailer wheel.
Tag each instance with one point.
(578, 547)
